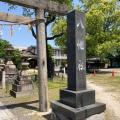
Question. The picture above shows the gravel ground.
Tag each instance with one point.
(112, 105)
(21, 111)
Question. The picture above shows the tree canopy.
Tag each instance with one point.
(3, 45)
(16, 53)
(102, 27)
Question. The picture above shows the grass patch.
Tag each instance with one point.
(112, 83)
(53, 88)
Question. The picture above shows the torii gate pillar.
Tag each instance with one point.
(42, 62)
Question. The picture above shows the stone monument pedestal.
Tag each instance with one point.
(65, 112)
(78, 105)
(73, 114)
(23, 86)
(88, 112)
(77, 102)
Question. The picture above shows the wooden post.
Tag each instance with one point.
(42, 62)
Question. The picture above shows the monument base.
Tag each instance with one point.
(56, 115)
(23, 86)
(83, 113)
(23, 93)
(77, 99)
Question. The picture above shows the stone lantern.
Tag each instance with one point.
(10, 69)
(23, 86)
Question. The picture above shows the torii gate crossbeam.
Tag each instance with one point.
(13, 18)
(47, 5)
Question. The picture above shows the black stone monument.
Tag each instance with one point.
(76, 102)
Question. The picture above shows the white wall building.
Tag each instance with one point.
(59, 56)
(20, 48)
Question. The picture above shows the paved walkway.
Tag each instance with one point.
(5, 114)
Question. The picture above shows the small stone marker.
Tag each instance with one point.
(2, 74)
(3, 79)
(76, 102)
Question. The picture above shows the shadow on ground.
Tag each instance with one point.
(47, 116)
(24, 105)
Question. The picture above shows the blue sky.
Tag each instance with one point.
(20, 37)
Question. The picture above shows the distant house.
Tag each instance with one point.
(29, 51)
(32, 61)
(94, 63)
(58, 54)
(32, 49)
(32, 58)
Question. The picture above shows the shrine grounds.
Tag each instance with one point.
(107, 89)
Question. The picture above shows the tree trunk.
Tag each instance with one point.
(50, 65)
(111, 63)
(50, 62)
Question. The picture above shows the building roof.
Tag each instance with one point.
(20, 48)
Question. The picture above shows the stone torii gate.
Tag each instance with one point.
(40, 7)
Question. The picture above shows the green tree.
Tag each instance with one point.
(102, 27)
(16, 53)
(64, 62)
(50, 50)
(60, 27)
(3, 45)
(50, 61)
(16, 59)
